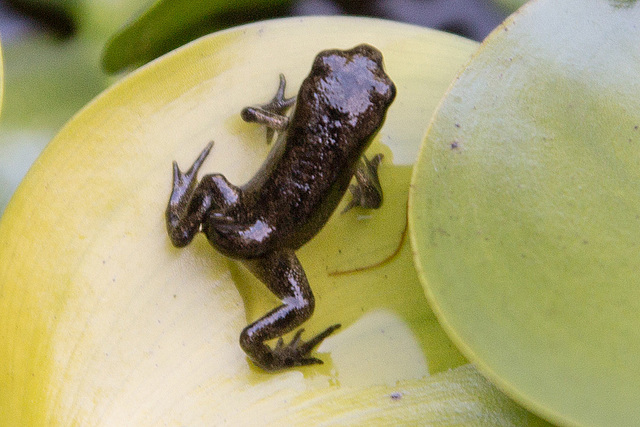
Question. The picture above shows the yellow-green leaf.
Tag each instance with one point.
(103, 322)
(526, 210)
(168, 24)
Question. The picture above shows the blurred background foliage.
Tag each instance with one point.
(59, 54)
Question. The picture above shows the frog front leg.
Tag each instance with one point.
(272, 115)
(282, 273)
(191, 201)
(367, 191)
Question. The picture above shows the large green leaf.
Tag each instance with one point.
(104, 322)
(526, 210)
(168, 24)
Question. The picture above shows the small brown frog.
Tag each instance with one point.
(338, 110)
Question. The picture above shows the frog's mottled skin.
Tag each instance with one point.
(338, 110)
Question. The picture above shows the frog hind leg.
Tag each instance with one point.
(282, 273)
(272, 115)
(367, 192)
(191, 201)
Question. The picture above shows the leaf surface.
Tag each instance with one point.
(526, 210)
(103, 322)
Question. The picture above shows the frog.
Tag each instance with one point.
(339, 108)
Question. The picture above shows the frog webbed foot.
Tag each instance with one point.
(367, 192)
(184, 183)
(272, 115)
(183, 212)
(296, 353)
(282, 273)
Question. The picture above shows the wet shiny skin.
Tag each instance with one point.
(339, 108)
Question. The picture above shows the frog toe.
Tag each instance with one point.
(367, 192)
(272, 115)
(184, 179)
(193, 170)
(296, 352)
